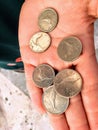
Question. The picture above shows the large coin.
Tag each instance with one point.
(68, 83)
(69, 49)
(43, 75)
(47, 20)
(53, 102)
(40, 42)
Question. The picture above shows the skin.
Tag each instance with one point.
(76, 18)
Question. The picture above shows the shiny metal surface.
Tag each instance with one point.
(53, 102)
(40, 42)
(43, 75)
(69, 49)
(68, 83)
(48, 20)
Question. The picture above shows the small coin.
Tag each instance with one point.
(53, 102)
(43, 75)
(69, 49)
(40, 42)
(48, 20)
(68, 83)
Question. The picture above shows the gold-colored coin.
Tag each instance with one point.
(48, 20)
(68, 83)
(40, 42)
(69, 49)
(53, 102)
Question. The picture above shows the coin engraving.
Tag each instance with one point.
(69, 49)
(53, 102)
(68, 83)
(48, 20)
(40, 42)
(43, 75)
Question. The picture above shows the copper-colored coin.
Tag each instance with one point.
(43, 75)
(48, 20)
(69, 49)
(68, 83)
(40, 42)
(53, 102)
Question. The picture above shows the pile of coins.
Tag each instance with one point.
(68, 82)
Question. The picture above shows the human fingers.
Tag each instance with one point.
(58, 122)
(90, 89)
(34, 92)
(75, 114)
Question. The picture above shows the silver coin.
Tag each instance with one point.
(69, 49)
(68, 83)
(53, 102)
(48, 20)
(40, 42)
(43, 75)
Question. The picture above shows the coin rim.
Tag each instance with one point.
(67, 99)
(81, 47)
(51, 70)
(80, 86)
(30, 45)
(57, 17)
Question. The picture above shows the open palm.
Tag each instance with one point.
(74, 20)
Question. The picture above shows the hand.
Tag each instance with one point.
(82, 113)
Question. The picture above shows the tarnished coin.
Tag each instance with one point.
(69, 48)
(53, 102)
(68, 83)
(40, 42)
(43, 75)
(48, 20)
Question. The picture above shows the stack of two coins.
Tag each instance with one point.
(66, 84)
